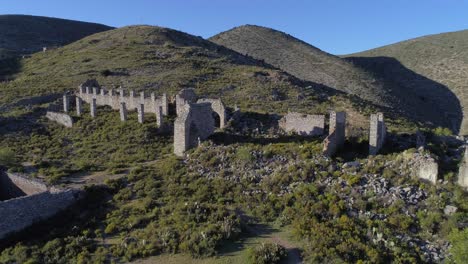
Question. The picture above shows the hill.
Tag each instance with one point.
(23, 34)
(165, 60)
(434, 67)
(309, 63)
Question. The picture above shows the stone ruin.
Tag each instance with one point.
(422, 165)
(463, 170)
(336, 135)
(305, 125)
(25, 201)
(60, 118)
(377, 133)
(193, 124)
(184, 97)
(218, 107)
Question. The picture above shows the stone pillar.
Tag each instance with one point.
(88, 90)
(95, 92)
(165, 104)
(131, 99)
(103, 91)
(79, 106)
(463, 170)
(141, 113)
(123, 112)
(142, 97)
(337, 133)
(377, 133)
(122, 94)
(93, 107)
(66, 103)
(159, 116)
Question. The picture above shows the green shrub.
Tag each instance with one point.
(7, 157)
(266, 253)
(459, 240)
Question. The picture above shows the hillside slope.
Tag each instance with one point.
(309, 63)
(163, 60)
(23, 34)
(434, 67)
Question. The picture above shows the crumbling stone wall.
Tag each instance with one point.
(377, 133)
(60, 118)
(184, 97)
(14, 185)
(19, 213)
(337, 133)
(463, 170)
(307, 125)
(422, 165)
(218, 107)
(193, 124)
(112, 99)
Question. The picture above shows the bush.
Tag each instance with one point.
(266, 253)
(7, 157)
(459, 240)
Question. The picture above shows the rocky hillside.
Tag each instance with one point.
(22, 34)
(309, 63)
(434, 67)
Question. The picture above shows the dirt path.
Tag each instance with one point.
(294, 255)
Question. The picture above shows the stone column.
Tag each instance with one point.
(142, 97)
(123, 112)
(159, 116)
(93, 107)
(66, 103)
(165, 104)
(337, 133)
(131, 99)
(88, 90)
(79, 106)
(95, 92)
(463, 170)
(141, 113)
(377, 133)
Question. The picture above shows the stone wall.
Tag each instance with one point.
(113, 99)
(337, 133)
(14, 185)
(193, 124)
(218, 107)
(423, 166)
(60, 118)
(463, 170)
(307, 125)
(377, 133)
(19, 213)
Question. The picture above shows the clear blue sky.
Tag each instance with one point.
(336, 26)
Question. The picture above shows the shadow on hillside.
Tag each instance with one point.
(9, 67)
(421, 98)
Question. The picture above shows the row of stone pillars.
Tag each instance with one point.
(123, 110)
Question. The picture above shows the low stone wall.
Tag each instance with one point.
(19, 213)
(307, 125)
(60, 118)
(16, 185)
